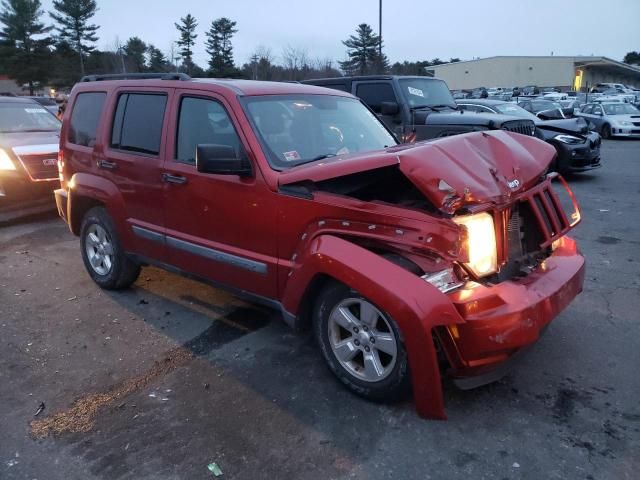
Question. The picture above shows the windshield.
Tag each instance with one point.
(26, 117)
(515, 110)
(541, 105)
(619, 109)
(422, 92)
(296, 129)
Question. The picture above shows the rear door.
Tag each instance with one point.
(219, 227)
(131, 157)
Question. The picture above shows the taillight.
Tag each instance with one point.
(61, 165)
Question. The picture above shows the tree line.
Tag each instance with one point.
(34, 52)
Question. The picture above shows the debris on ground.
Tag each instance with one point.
(72, 298)
(82, 414)
(40, 409)
(515, 465)
(215, 469)
(143, 302)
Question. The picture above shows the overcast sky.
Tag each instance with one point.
(412, 29)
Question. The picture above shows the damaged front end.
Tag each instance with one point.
(493, 241)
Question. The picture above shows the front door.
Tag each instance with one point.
(219, 227)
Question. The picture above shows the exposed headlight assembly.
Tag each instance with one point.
(5, 161)
(480, 243)
(569, 139)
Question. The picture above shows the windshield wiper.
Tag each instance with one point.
(315, 159)
(422, 107)
(435, 107)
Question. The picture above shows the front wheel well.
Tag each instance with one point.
(80, 205)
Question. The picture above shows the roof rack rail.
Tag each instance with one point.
(135, 76)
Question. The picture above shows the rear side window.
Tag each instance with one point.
(85, 117)
(373, 94)
(137, 123)
(336, 86)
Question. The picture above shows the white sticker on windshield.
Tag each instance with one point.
(416, 91)
(35, 110)
(291, 156)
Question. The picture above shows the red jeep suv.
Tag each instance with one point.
(405, 260)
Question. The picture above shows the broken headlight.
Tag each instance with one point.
(480, 243)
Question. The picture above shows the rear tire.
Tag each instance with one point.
(361, 344)
(606, 131)
(102, 253)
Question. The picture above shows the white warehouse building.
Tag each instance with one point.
(566, 73)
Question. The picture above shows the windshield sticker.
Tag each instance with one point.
(291, 156)
(416, 91)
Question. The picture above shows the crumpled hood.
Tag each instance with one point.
(570, 125)
(473, 168)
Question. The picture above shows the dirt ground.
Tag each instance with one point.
(159, 381)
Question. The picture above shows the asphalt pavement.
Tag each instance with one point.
(171, 376)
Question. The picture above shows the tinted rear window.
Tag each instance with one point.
(137, 124)
(85, 117)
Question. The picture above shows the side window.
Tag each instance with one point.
(597, 110)
(373, 94)
(203, 121)
(137, 123)
(587, 109)
(87, 110)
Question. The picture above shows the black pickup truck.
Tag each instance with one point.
(420, 108)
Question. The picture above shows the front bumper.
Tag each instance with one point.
(502, 320)
(630, 132)
(19, 196)
(580, 157)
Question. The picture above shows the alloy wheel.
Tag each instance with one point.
(362, 339)
(99, 249)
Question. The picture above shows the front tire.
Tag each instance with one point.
(102, 253)
(361, 344)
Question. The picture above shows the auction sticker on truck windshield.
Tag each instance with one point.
(291, 156)
(416, 91)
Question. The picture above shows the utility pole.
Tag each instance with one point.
(380, 29)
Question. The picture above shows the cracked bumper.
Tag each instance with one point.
(502, 320)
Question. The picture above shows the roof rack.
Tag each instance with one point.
(135, 76)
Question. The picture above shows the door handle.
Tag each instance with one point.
(107, 165)
(179, 179)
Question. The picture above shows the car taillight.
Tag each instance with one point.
(61, 166)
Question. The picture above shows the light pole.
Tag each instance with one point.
(380, 29)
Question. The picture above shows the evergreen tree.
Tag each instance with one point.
(73, 18)
(220, 48)
(187, 29)
(135, 49)
(157, 61)
(25, 52)
(362, 50)
(632, 58)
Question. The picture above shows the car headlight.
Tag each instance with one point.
(569, 139)
(480, 243)
(624, 123)
(5, 162)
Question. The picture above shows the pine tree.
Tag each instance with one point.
(187, 29)
(25, 52)
(220, 48)
(157, 61)
(73, 18)
(362, 50)
(135, 49)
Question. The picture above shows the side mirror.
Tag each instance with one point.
(222, 160)
(389, 108)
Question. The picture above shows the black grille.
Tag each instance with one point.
(524, 127)
(41, 166)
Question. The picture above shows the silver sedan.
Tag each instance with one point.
(612, 119)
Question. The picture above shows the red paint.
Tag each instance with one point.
(299, 239)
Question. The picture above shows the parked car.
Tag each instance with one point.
(578, 149)
(299, 198)
(47, 102)
(29, 137)
(613, 119)
(419, 108)
(543, 109)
